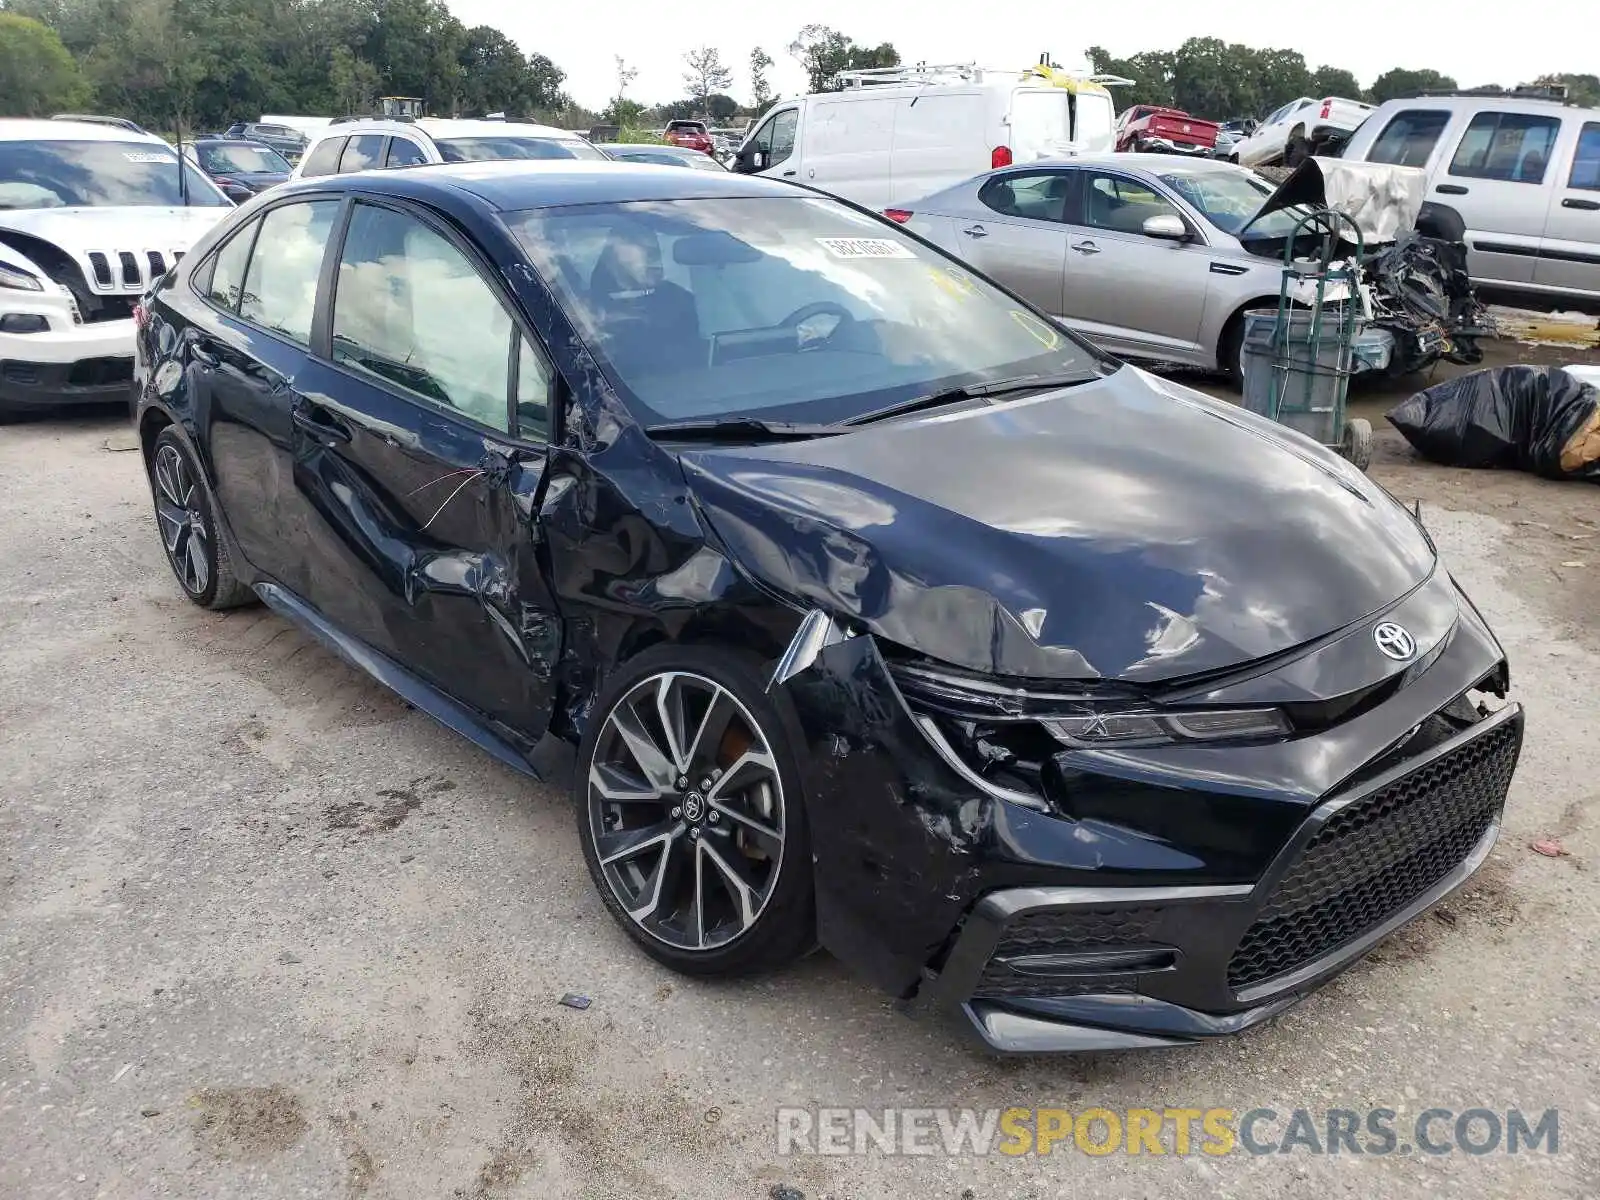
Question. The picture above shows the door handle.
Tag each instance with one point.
(790, 174)
(1590, 205)
(1086, 248)
(975, 231)
(1451, 189)
(320, 424)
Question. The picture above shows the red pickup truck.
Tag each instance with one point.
(1150, 129)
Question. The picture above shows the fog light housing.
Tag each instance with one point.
(23, 323)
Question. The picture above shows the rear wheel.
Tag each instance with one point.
(186, 515)
(691, 815)
(1230, 351)
(1298, 148)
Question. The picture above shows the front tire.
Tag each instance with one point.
(191, 533)
(691, 813)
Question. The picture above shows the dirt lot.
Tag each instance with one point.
(265, 932)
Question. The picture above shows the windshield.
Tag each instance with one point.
(75, 174)
(482, 149)
(779, 308)
(1228, 199)
(665, 158)
(246, 160)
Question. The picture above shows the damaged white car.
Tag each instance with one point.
(1160, 258)
(91, 214)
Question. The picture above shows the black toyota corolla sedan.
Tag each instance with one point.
(882, 613)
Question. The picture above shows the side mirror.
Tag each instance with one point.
(1168, 227)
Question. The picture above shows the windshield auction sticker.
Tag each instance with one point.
(140, 156)
(864, 248)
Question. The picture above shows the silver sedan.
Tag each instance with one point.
(1141, 253)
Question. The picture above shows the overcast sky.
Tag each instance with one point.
(1501, 43)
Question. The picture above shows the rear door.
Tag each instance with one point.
(421, 439)
(940, 138)
(1132, 293)
(251, 357)
(1496, 179)
(1020, 239)
(1569, 257)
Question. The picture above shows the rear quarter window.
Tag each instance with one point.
(1409, 138)
(324, 158)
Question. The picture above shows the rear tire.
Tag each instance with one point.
(1230, 352)
(1298, 148)
(708, 880)
(191, 533)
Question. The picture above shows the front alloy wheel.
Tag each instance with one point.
(688, 825)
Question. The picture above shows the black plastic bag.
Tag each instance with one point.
(1537, 419)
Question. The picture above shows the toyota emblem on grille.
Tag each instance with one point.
(1394, 640)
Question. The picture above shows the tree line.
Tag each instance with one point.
(199, 64)
(1212, 78)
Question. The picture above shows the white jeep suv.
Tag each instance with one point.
(91, 214)
(365, 144)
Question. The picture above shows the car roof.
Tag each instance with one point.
(446, 128)
(1149, 164)
(19, 129)
(1518, 104)
(518, 184)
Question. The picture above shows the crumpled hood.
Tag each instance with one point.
(113, 231)
(75, 229)
(1121, 529)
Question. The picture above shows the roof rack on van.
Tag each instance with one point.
(1556, 93)
(371, 117)
(928, 74)
(95, 119)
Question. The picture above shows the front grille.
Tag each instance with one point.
(102, 268)
(1064, 931)
(1377, 855)
(130, 270)
(158, 265)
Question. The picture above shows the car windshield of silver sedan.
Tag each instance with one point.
(789, 308)
(1228, 199)
(484, 149)
(83, 174)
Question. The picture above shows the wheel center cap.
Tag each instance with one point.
(694, 808)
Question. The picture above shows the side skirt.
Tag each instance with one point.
(409, 687)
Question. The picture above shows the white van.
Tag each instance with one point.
(896, 134)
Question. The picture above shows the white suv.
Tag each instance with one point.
(364, 144)
(91, 214)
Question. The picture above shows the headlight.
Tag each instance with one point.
(1082, 719)
(18, 280)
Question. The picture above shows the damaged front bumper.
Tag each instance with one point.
(1169, 894)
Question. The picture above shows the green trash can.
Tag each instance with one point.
(1298, 378)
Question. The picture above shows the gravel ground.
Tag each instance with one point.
(265, 932)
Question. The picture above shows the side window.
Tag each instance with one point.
(280, 288)
(324, 157)
(403, 152)
(1037, 195)
(363, 151)
(1409, 138)
(1513, 147)
(413, 311)
(783, 128)
(535, 380)
(1586, 161)
(1120, 204)
(226, 283)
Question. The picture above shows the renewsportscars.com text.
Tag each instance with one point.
(1162, 1131)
